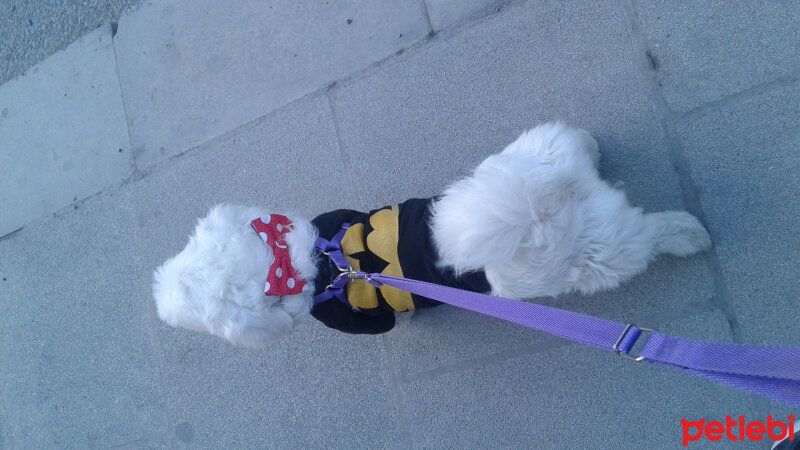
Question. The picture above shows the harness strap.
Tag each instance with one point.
(333, 249)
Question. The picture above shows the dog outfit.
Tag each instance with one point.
(395, 240)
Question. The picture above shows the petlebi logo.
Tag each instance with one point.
(737, 430)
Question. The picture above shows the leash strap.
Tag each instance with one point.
(772, 372)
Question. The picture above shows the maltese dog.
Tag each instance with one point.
(534, 220)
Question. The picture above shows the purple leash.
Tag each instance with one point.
(772, 372)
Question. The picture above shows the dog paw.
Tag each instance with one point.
(679, 233)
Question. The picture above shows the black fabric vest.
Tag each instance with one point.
(394, 240)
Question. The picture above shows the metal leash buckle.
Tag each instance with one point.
(361, 275)
(343, 272)
(351, 274)
(622, 336)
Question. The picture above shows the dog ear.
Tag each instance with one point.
(173, 300)
(242, 325)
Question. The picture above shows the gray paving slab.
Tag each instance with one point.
(192, 70)
(78, 364)
(313, 389)
(572, 397)
(62, 131)
(430, 117)
(705, 51)
(422, 121)
(32, 31)
(279, 161)
(745, 158)
(444, 13)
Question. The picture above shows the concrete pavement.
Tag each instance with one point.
(110, 149)
(32, 31)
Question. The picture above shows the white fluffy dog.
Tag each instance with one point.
(534, 220)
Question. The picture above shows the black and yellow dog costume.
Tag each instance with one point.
(395, 240)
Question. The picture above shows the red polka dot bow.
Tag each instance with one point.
(282, 278)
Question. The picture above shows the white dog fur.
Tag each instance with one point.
(536, 218)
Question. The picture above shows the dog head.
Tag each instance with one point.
(216, 283)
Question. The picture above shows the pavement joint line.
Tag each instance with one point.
(344, 155)
(365, 71)
(419, 45)
(738, 98)
(160, 166)
(722, 299)
(200, 148)
(155, 341)
(403, 423)
(690, 193)
(658, 320)
(475, 16)
(552, 342)
(74, 206)
(423, 43)
(549, 344)
(131, 156)
(9, 235)
(427, 17)
(3, 427)
(151, 314)
(50, 50)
